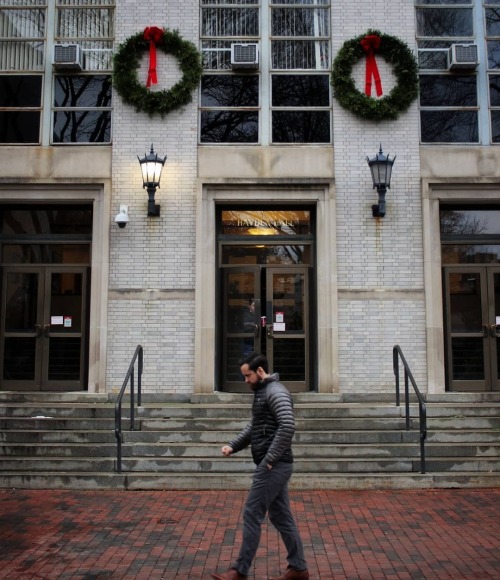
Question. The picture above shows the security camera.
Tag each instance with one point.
(122, 218)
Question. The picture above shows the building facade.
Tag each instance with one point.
(265, 238)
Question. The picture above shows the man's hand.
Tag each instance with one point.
(227, 450)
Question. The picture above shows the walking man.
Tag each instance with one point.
(270, 434)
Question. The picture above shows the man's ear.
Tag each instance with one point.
(261, 373)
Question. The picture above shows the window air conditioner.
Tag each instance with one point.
(245, 55)
(68, 56)
(462, 56)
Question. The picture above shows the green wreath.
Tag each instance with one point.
(126, 82)
(396, 53)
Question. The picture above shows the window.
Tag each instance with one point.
(78, 91)
(459, 103)
(286, 96)
(448, 98)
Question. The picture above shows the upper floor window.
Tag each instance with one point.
(459, 59)
(57, 55)
(282, 93)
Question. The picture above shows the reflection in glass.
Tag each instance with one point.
(229, 127)
(300, 90)
(493, 54)
(301, 127)
(288, 301)
(230, 91)
(236, 22)
(492, 17)
(495, 126)
(300, 54)
(45, 253)
(300, 22)
(260, 254)
(82, 91)
(449, 126)
(465, 302)
(470, 254)
(21, 296)
(82, 127)
(445, 22)
(23, 220)
(494, 82)
(469, 222)
(448, 91)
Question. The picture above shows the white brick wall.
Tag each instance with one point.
(385, 255)
(374, 256)
(154, 253)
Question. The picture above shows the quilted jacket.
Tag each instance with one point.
(272, 427)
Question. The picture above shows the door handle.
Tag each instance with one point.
(38, 330)
(494, 330)
(256, 330)
(46, 330)
(269, 331)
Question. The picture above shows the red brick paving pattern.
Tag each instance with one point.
(98, 535)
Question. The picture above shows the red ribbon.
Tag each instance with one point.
(370, 44)
(154, 35)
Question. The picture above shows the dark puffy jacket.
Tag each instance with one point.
(272, 427)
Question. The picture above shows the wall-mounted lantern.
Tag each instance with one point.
(381, 168)
(151, 167)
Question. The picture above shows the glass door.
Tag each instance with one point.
(43, 338)
(287, 324)
(472, 314)
(266, 310)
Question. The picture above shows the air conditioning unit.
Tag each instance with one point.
(68, 56)
(245, 55)
(462, 56)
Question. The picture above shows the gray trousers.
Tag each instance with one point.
(269, 494)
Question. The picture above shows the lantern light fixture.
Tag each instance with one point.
(151, 167)
(381, 169)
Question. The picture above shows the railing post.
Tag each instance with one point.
(118, 404)
(395, 366)
(407, 401)
(132, 413)
(421, 404)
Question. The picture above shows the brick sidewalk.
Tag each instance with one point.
(96, 535)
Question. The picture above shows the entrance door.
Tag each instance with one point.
(472, 309)
(266, 309)
(42, 339)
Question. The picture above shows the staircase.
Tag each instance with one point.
(67, 441)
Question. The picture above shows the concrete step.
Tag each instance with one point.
(352, 441)
(218, 481)
(335, 465)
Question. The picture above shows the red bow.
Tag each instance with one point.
(370, 44)
(154, 35)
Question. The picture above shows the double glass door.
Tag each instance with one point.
(42, 339)
(267, 310)
(472, 316)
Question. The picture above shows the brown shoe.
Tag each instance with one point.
(292, 574)
(229, 575)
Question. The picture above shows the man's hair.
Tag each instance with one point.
(254, 360)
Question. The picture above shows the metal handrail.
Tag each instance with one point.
(397, 354)
(118, 405)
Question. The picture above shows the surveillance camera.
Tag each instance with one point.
(122, 218)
